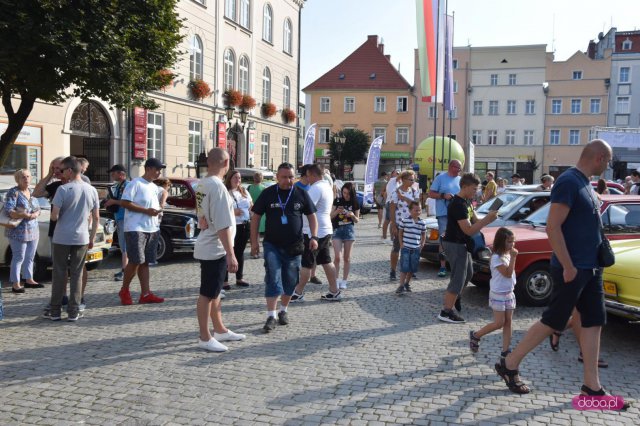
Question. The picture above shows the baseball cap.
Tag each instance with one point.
(155, 163)
(117, 168)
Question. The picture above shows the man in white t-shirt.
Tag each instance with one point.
(390, 189)
(140, 199)
(321, 195)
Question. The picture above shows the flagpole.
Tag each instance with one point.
(444, 80)
(453, 19)
(435, 103)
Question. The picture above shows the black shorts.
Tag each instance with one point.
(142, 247)
(322, 256)
(212, 277)
(585, 293)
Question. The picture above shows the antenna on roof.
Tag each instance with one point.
(398, 66)
(553, 34)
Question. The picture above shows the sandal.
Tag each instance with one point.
(601, 362)
(474, 342)
(242, 283)
(587, 391)
(511, 378)
(556, 346)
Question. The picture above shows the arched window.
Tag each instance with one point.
(229, 69)
(267, 24)
(195, 58)
(287, 42)
(243, 75)
(266, 85)
(286, 92)
(245, 13)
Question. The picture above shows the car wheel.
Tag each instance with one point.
(165, 248)
(535, 285)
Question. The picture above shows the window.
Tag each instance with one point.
(155, 136)
(380, 131)
(554, 137)
(285, 150)
(349, 104)
(433, 111)
(577, 75)
(492, 137)
(325, 104)
(595, 106)
(576, 106)
(266, 85)
(453, 114)
(195, 140)
(512, 79)
(243, 75)
(622, 105)
(195, 59)
(229, 69)
(528, 137)
(403, 104)
(477, 107)
(264, 151)
(402, 135)
(380, 104)
(476, 137)
(574, 137)
(510, 137)
(455, 86)
(245, 13)
(626, 45)
(286, 92)
(493, 107)
(325, 135)
(530, 107)
(624, 75)
(454, 64)
(494, 79)
(288, 38)
(267, 24)
(511, 107)
(230, 9)
(556, 106)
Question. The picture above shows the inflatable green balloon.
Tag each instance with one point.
(424, 154)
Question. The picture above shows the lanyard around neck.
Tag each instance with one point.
(283, 206)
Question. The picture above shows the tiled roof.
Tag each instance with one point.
(367, 68)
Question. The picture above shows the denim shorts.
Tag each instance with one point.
(387, 211)
(442, 225)
(142, 246)
(502, 301)
(409, 259)
(281, 270)
(345, 233)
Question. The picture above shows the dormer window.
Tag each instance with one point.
(626, 45)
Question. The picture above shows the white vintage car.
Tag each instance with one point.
(42, 261)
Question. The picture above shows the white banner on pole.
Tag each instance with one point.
(309, 142)
(371, 172)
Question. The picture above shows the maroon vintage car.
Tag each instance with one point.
(621, 220)
(182, 192)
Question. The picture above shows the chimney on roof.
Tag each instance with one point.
(388, 57)
(381, 48)
(373, 38)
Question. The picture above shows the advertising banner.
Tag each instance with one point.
(309, 141)
(222, 135)
(371, 172)
(139, 133)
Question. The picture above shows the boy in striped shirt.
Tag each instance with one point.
(412, 234)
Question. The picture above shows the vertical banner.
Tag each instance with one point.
(371, 172)
(472, 158)
(139, 133)
(430, 22)
(252, 146)
(222, 134)
(448, 77)
(309, 142)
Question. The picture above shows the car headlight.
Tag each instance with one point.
(434, 235)
(190, 228)
(110, 226)
(484, 254)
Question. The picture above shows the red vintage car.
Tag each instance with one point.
(182, 192)
(621, 220)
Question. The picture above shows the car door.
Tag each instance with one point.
(621, 221)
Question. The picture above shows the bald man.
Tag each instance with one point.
(573, 228)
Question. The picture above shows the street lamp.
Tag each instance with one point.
(236, 129)
(201, 165)
(339, 144)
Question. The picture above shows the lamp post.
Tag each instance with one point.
(236, 129)
(201, 165)
(339, 144)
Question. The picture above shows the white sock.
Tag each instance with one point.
(271, 314)
(283, 308)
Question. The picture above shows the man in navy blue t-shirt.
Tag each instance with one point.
(573, 228)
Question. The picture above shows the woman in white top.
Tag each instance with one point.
(242, 203)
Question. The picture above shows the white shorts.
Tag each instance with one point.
(502, 301)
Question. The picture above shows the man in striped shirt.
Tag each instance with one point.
(412, 232)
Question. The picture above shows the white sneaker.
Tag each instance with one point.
(229, 336)
(222, 294)
(212, 345)
(342, 284)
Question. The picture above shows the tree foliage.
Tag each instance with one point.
(355, 147)
(56, 49)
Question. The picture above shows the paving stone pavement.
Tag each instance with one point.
(374, 358)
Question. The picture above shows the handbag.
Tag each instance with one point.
(606, 257)
(6, 220)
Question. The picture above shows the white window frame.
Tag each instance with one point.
(595, 106)
(245, 14)
(402, 104)
(529, 107)
(493, 107)
(626, 45)
(230, 11)
(511, 107)
(624, 77)
(196, 64)
(287, 41)
(509, 137)
(244, 79)
(285, 150)
(576, 75)
(324, 135)
(576, 106)
(266, 85)
(556, 103)
(265, 139)
(493, 80)
(574, 137)
(349, 104)
(453, 114)
(554, 137)
(267, 24)
(476, 137)
(155, 135)
(433, 111)
(380, 131)
(402, 135)
(195, 140)
(528, 137)
(492, 137)
(622, 105)
(286, 92)
(477, 107)
(325, 104)
(512, 80)
(380, 104)
(228, 81)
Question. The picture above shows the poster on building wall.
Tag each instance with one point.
(222, 134)
(139, 133)
(252, 147)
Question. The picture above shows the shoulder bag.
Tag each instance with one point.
(606, 257)
(6, 220)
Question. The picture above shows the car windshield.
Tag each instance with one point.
(509, 200)
(539, 217)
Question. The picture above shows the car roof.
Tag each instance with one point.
(520, 192)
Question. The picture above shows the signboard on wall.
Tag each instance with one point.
(28, 134)
(222, 134)
(252, 146)
(139, 134)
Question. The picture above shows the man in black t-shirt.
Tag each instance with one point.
(49, 184)
(462, 223)
(283, 244)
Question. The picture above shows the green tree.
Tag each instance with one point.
(56, 49)
(354, 150)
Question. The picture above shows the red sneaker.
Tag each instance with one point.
(150, 298)
(125, 297)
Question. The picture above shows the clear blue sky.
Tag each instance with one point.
(332, 29)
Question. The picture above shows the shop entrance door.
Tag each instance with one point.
(96, 150)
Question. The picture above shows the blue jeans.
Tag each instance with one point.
(409, 259)
(281, 270)
(22, 254)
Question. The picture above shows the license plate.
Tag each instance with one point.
(92, 257)
(610, 289)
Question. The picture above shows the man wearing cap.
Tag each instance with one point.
(140, 199)
(113, 204)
